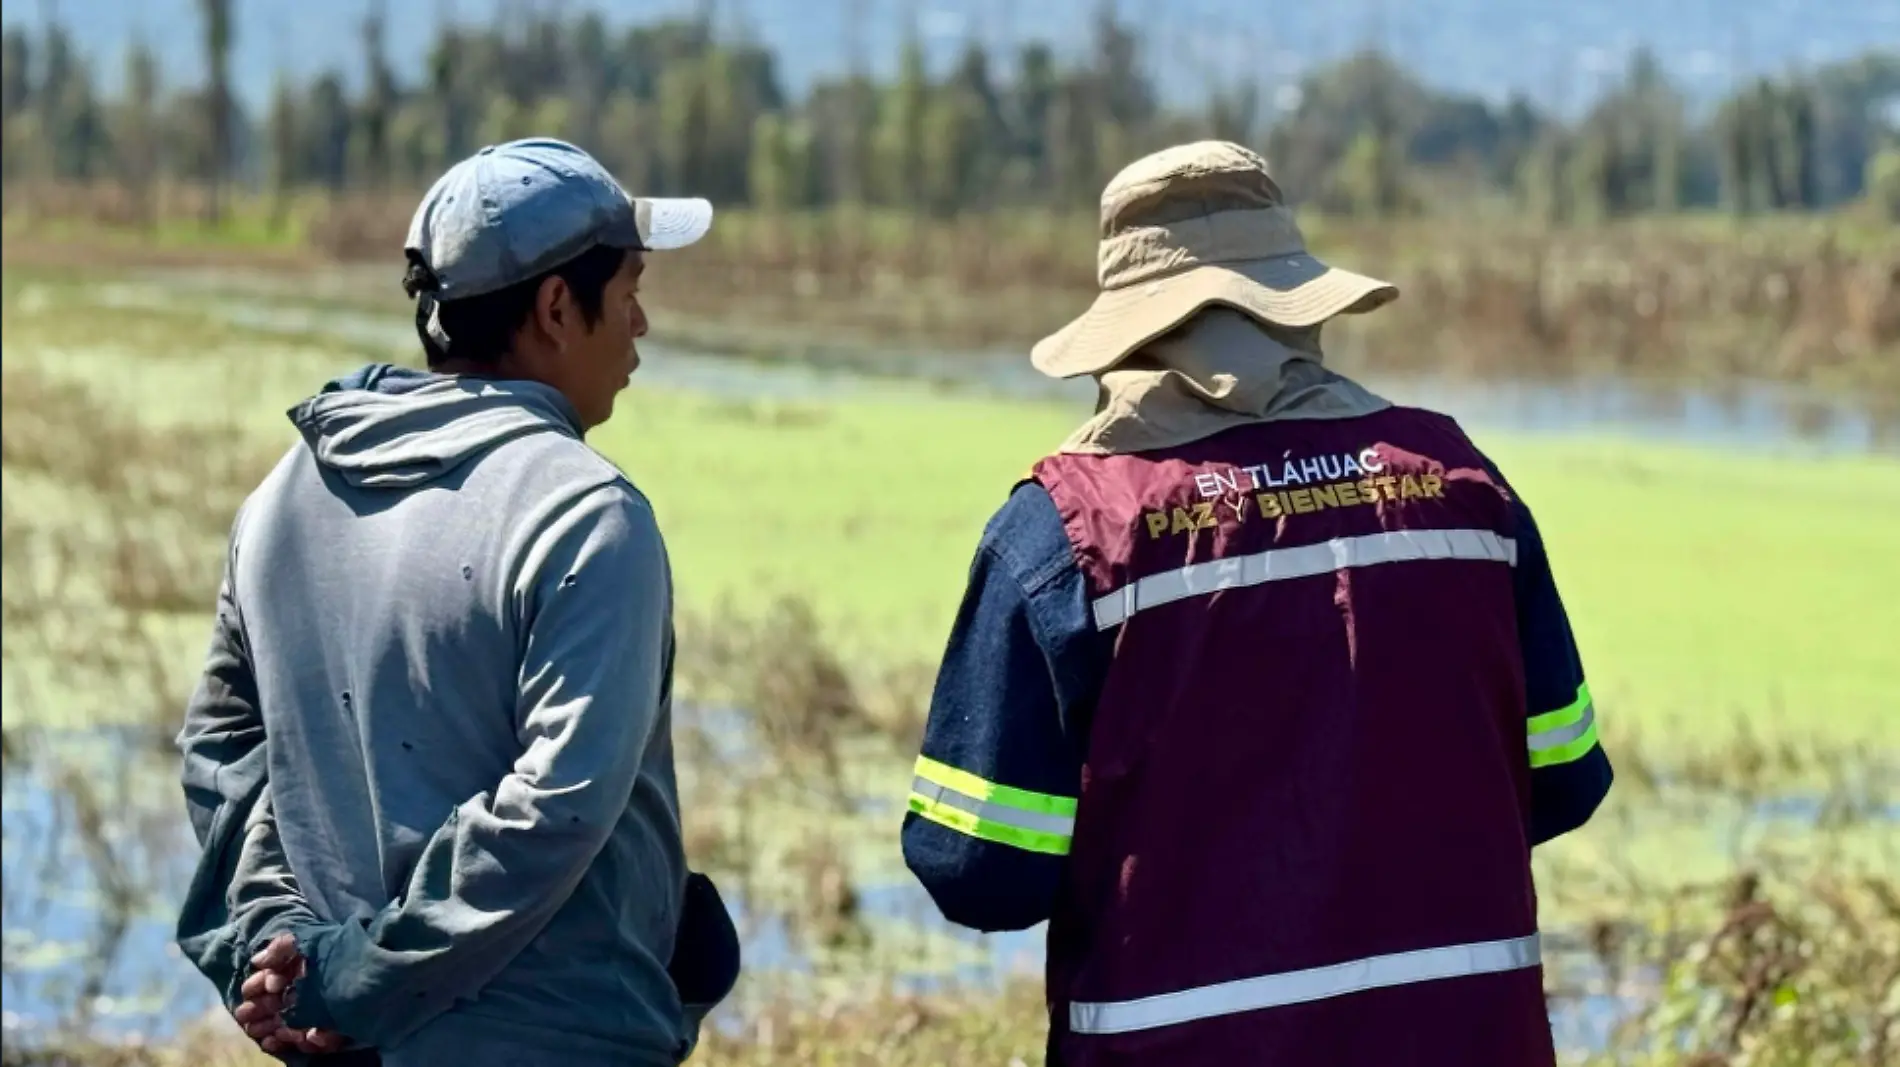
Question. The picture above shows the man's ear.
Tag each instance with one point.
(552, 305)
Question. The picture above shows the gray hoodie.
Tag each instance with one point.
(453, 621)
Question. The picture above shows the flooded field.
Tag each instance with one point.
(352, 305)
(1727, 555)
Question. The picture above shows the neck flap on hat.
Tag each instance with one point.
(1219, 370)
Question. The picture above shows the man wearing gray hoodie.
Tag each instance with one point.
(430, 760)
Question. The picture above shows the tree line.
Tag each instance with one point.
(674, 106)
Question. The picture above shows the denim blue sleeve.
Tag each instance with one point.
(993, 796)
(1570, 773)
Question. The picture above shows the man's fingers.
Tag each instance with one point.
(253, 986)
(279, 953)
(263, 1009)
(317, 1041)
(260, 1029)
(262, 983)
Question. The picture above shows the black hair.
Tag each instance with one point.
(480, 328)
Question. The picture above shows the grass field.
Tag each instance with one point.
(1707, 589)
(1731, 608)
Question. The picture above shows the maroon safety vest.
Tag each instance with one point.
(1301, 837)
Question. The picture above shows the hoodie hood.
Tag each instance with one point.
(386, 427)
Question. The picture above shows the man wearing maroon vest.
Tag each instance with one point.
(1261, 692)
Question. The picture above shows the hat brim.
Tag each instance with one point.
(1294, 291)
(667, 223)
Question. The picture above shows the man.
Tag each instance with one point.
(1261, 691)
(430, 759)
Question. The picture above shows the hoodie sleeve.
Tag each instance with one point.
(241, 891)
(596, 608)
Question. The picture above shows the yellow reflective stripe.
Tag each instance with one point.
(969, 823)
(980, 789)
(1568, 752)
(1568, 715)
(1565, 735)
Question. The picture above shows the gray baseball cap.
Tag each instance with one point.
(513, 211)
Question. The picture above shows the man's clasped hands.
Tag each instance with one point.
(274, 970)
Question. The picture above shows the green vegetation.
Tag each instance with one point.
(1736, 897)
(955, 209)
(677, 105)
(868, 507)
(178, 273)
(1808, 299)
(867, 504)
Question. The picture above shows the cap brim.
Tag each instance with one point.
(1294, 291)
(668, 222)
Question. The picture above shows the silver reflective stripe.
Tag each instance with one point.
(1563, 735)
(1279, 564)
(1298, 987)
(1003, 813)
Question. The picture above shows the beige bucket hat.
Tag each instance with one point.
(1189, 226)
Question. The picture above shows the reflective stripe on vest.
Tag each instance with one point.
(1299, 987)
(1565, 735)
(961, 801)
(1279, 564)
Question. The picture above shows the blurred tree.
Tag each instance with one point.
(685, 109)
(1796, 149)
(1233, 111)
(371, 135)
(1026, 107)
(1339, 106)
(1855, 113)
(783, 170)
(840, 112)
(674, 106)
(285, 164)
(1629, 156)
(1366, 182)
(1883, 182)
(19, 123)
(1541, 178)
(955, 151)
(218, 31)
(1591, 175)
(1738, 131)
(16, 72)
(588, 80)
(900, 137)
(135, 130)
(323, 133)
(1127, 94)
(449, 60)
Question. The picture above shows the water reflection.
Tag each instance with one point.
(97, 854)
(1750, 415)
